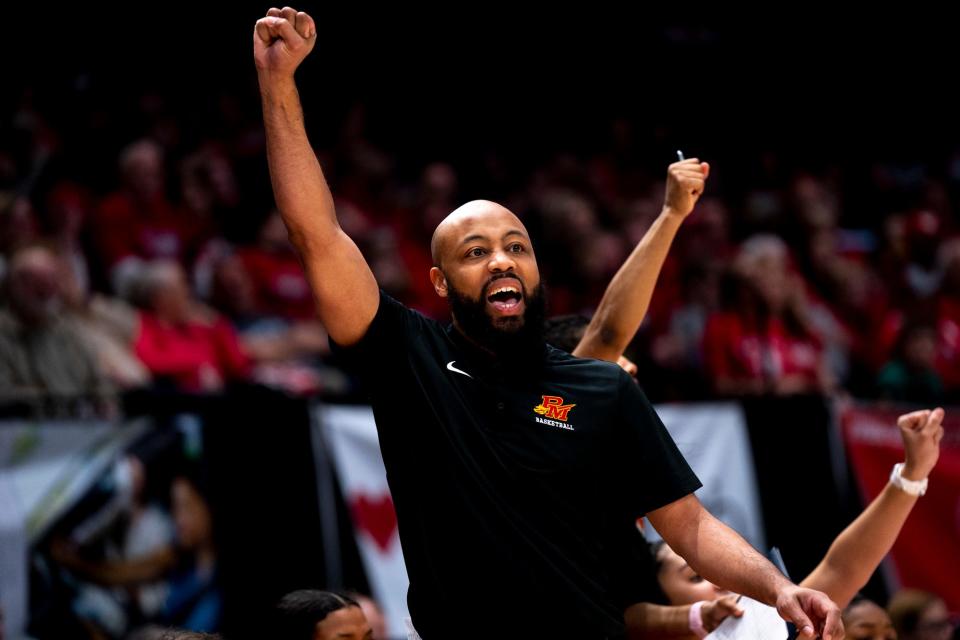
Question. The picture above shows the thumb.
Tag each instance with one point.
(705, 167)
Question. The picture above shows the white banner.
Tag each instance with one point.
(713, 437)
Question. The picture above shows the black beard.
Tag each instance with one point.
(514, 337)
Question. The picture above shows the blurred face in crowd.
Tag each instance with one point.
(191, 515)
(934, 623)
(233, 290)
(486, 268)
(344, 624)
(680, 583)
(867, 621)
(767, 273)
(142, 167)
(273, 234)
(170, 298)
(920, 348)
(34, 286)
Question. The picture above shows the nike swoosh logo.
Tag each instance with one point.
(453, 368)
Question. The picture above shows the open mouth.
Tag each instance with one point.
(505, 297)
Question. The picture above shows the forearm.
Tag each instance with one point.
(722, 556)
(859, 549)
(627, 298)
(645, 620)
(299, 187)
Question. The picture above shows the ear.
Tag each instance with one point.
(439, 282)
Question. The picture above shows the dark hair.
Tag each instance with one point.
(299, 612)
(565, 332)
(655, 554)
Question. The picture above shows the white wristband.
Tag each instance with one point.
(913, 487)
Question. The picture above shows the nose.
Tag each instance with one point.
(501, 261)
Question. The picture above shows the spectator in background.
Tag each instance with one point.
(127, 529)
(762, 340)
(911, 376)
(18, 228)
(922, 273)
(279, 284)
(138, 223)
(180, 341)
(321, 615)
(189, 565)
(194, 600)
(41, 354)
(919, 615)
(105, 324)
(287, 352)
(866, 620)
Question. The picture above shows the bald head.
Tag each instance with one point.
(466, 221)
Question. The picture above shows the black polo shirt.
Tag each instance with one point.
(508, 477)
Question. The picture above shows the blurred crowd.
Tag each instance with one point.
(150, 254)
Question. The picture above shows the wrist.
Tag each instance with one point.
(907, 484)
(670, 213)
(272, 81)
(783, 588)
(910, 472)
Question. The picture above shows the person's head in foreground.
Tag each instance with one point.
(678, 581)
(321, 615)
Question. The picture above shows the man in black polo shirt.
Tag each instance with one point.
(515, 468)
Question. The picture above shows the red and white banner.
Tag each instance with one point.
(927, 553)
(352, 437)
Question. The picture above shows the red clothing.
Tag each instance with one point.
(280, 286)
(948, 330)
(122, 228)
(735, 350)
(187, 354)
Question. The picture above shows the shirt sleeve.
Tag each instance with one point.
(652, 471)
(388, 338)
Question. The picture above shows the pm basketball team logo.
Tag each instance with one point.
(554, 412)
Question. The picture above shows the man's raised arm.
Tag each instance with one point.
(344, 289)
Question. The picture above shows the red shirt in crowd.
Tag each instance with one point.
(736, 350)
(280, 286)
(122, 228)
(197, 356)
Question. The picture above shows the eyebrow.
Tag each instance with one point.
(480, 236)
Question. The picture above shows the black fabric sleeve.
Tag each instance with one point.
(389, 336)
(652, 471)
